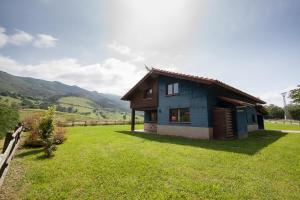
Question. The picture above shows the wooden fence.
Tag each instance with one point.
(281, 121)
(96, 123)
(11, 143)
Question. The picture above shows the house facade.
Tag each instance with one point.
(193, 107)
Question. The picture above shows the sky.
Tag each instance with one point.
(253, 45)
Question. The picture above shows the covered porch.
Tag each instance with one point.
(150, 121)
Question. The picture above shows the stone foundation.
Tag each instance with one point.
(150, 127)
(252, 127)
(185, 131)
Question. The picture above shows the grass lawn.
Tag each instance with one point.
(108, 162)
(281, 126)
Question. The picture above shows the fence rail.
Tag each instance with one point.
(281, 121)
(96, 123)
(11, 143)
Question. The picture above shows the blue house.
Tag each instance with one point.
(194, 107)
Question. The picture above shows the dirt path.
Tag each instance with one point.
(12, 182)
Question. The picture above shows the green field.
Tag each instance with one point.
(108, 162)
(64, 116)
(281, 126)
(59, 116)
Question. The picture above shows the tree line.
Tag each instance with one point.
(293, 109)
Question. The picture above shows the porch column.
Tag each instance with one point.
(132, 119)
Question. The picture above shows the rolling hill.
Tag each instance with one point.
(45, 90)
(72, 103)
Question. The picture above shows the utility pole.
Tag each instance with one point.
(284, 105)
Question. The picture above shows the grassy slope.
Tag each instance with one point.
(9, 100)
(110, 163)
(84, 105)
(281, 126)
(63, 116)
(60, 116)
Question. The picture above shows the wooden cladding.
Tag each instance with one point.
(223, 123)
(139, 101)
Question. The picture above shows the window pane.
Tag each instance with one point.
(184, 115)
(148, 93)
(153, 116)
(173, 115)
(170, 88)
(176, 89)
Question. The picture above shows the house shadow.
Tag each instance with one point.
(254, 143)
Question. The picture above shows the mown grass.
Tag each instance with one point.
(108, 162)
(281, 126)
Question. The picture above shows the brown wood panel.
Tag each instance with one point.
(138, 100)
(222, 123)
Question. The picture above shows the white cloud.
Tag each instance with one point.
(45, 41)
(126, 51)
(3, 37)
(20, 38)
(110, 76)
(275, 97)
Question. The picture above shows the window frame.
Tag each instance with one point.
(146, 95)
(179, 115)
(172, 84)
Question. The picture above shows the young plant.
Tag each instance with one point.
(46, 129)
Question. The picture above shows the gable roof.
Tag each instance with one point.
(197, 79)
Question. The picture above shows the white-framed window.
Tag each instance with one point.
(172, 88)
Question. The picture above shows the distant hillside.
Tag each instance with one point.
(37, 88)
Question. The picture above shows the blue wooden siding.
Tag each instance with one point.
(200, 100)
(241, 123)
(191, 95)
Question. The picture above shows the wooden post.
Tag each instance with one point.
(132, 119)
(7, 140)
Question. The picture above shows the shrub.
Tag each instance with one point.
(60, 135)
(32, 122)
(34, 140)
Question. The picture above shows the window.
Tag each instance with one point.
(179, 115)
(148, 93)
(153, 116)
(253, 118)
(172, 89)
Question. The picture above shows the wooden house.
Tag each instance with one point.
(194, 107)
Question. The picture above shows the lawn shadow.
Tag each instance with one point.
(254, 143)
(29, 152)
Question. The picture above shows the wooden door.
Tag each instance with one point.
(223, 123)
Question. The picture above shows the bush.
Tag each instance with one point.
(60, 135)
(31, 123)
(34, 140)
(9, 118)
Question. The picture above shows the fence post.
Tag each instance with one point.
(8, 138)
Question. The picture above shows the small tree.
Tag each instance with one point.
(295, 95)
(46, 129)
